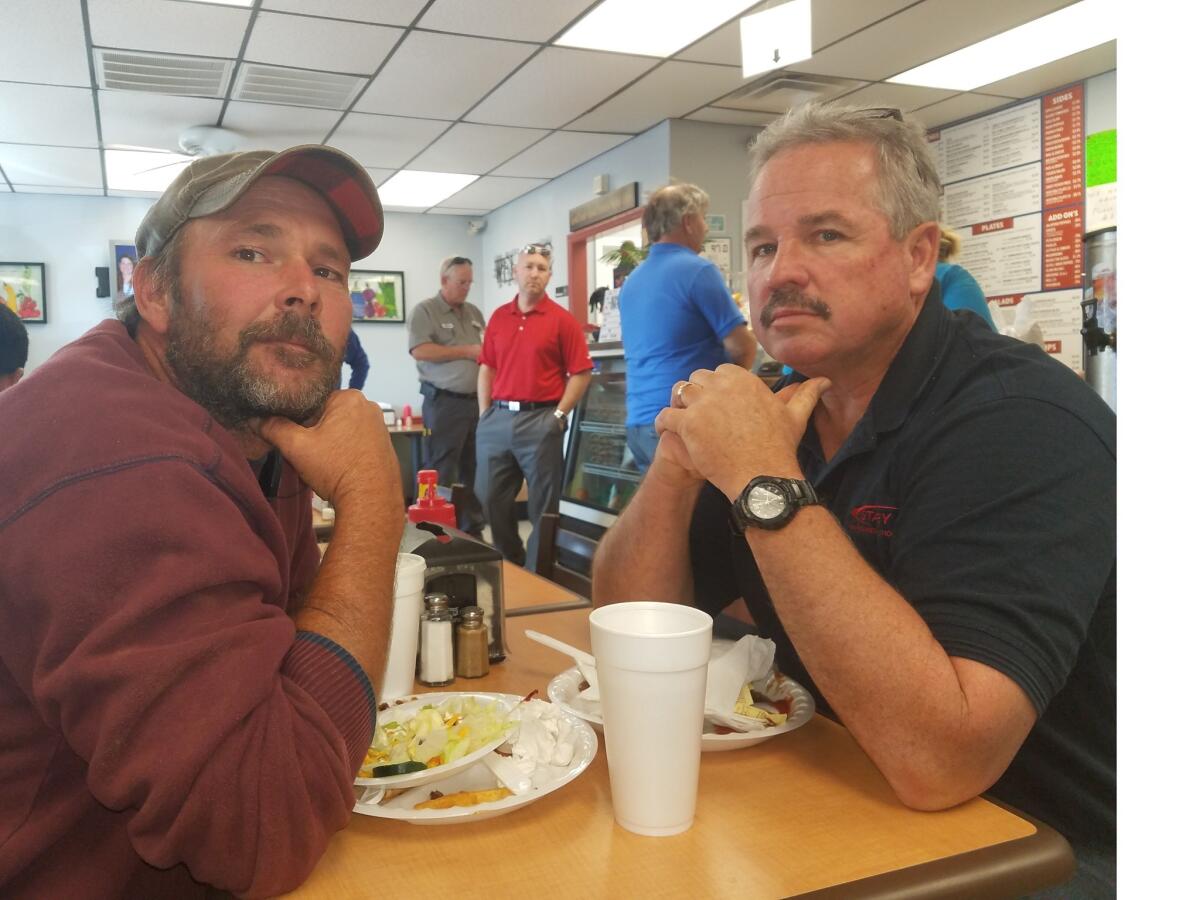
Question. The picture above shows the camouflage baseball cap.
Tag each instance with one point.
(213, 183)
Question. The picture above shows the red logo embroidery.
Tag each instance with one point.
(872, 519)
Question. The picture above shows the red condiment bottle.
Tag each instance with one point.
(429, 506)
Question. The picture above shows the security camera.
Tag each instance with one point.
(475, 226)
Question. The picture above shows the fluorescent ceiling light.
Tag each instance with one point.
(142, 170)
(776, 37)
(649, 27)
(1078, 27)
(421, 189)
(226, 2)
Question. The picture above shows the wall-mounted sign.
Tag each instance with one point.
(605, 206)
(716, 224)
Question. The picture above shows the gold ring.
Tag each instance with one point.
(679, 390)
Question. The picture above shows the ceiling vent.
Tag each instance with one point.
(162, 73)
(778, 92)
(296, 87)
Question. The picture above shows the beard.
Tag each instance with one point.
(791, 297)
(231, 386)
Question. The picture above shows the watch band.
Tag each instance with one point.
(799, 494)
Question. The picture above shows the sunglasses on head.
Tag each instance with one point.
(881, 112)
(540, 249)
(458, 261)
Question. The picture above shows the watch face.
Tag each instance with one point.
(766, 502)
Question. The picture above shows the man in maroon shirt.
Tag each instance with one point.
(184, 696)
(533, 369)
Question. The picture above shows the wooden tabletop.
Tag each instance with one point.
(806, 811)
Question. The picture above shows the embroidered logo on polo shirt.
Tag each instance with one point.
(872, 519)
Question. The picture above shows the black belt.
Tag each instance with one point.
(522, 405)
(455, 394)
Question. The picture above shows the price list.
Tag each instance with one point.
(1062, 147)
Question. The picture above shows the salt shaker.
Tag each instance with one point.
(471, 652)
(437, 641)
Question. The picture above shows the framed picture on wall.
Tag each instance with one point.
(122, 257)
(377, 296)
(23, 290)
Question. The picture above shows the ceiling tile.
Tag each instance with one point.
(385, 12)
(152, 120)
(931, 29)
(673, 89)
(50, 189)
(272, 127)
(559, 85)
(559, 152)
(475, 149)
(491, 191)
(440, 76)
(520, 20)
(51, 49)
(379, 176)
(960, 107)
(448, 211)
(724, 45)
(50, 166)
(832, 20)
(286, 40)
(385, 141)
(902, 96)
(732, 116)
(44, 114)
(1063, 71)
(201, 29)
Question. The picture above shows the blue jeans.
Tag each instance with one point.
(642, 441)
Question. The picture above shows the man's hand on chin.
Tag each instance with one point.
(344, 453)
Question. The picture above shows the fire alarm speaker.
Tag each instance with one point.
(102, 288)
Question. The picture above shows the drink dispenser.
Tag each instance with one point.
(1100, 314)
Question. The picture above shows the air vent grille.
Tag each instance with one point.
(296, 87)
(778, 91)
(161, 73)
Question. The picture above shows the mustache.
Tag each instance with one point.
(290, 327)
(791, 297)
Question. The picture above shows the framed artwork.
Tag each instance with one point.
(23, 290)
(122, 257)
(377, 296)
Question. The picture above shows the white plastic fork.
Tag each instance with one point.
(583, 659)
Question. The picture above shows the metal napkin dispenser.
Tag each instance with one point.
(470, 574)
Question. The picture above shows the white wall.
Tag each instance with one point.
(71, 234)
(543, 213)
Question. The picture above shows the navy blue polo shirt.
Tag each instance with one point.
(981, 484)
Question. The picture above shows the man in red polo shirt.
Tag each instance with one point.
(533, 369)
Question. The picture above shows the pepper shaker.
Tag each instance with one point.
(437, 642)
(471, 653)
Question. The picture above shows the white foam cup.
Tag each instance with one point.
(652, 663)
(409, 598)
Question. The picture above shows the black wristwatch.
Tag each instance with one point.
(770, 502)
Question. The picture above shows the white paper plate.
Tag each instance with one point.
(406, 709)
(564, 690)
(546, 780)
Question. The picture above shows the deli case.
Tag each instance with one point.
(599, 476)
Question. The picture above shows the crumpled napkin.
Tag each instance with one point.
(729, 668)
(749, 659)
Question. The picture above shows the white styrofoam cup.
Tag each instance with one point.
(652, 662)
(409, 594)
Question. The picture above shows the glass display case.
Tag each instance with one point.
(599, 476)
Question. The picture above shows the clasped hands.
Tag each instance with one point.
(726, 426)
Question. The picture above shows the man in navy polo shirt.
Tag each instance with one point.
(923, 517)
(533, 368)
(676, 314)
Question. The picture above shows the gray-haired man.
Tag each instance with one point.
(445, 333)
(923, 517)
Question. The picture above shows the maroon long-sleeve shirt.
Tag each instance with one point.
(163, 726)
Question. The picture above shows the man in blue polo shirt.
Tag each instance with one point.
(676, 314)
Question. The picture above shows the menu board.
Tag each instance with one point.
(1014, 191)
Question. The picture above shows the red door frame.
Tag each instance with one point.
(577, 241)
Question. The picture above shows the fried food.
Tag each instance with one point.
(465, 798)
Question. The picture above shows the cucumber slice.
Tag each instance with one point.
(404, 768)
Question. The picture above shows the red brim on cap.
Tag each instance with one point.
(340, 181)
